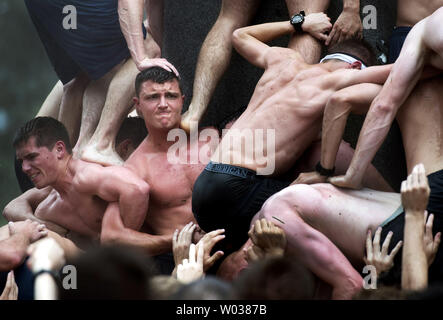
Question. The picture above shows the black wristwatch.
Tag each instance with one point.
(297, 20)
(323, 171)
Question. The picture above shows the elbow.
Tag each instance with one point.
(383, 110)
(139, 193)
(7, 213)
(339, 102)
(237, 36)
(109, 236)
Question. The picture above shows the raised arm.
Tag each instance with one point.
(348, 23)
(250, 41)
(355, 99)
(23, 207)
(405, 73)
(130, 14)
(114, 231)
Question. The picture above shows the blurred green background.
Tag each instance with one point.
(26, 77)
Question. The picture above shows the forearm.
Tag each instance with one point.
(131, 18)
(263, 32)
(151, 244)
(334, 123)
(351, 6)
(414, 262)
(13, 251)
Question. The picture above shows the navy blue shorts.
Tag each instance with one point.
(95, 47)
(227, 197)
(435, 206)
(396, 41)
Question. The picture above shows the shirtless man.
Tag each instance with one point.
(290, 98)
(215, 54)
(71, 193)
(315, 216)
(159, 99)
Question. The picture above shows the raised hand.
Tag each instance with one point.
(192, 269)
(208, 242)
(380, 259)
(268, 237)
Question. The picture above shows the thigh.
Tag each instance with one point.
(241, 10)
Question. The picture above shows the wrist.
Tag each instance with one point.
(351, 6)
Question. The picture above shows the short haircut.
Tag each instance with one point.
(277, 278)
(132, 128)
(155, 74)
(359, 49)
(46, 130)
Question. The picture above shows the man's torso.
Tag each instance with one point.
(409, 12)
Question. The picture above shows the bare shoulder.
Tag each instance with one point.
(278, 54)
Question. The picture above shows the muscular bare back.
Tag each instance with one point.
(290, 98)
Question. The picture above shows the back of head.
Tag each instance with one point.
(154, 74)
(209, 288)
(275, 279)
(115, 273)
(359, 49)
(132, 128)
(46, 130)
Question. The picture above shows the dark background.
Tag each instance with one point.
(26, 76)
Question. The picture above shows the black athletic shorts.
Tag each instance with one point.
(227, 197)
(397, 225)
(94, 47)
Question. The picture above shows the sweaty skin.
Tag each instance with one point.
(290, 91)
(170, 183)
(73, 194)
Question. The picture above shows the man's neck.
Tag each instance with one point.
(159, 140)
(65, 176)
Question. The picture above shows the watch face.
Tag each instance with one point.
(297, 19)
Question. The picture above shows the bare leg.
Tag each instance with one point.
(319, 219)
(51, 105)
(101, 146)
(93, 102)
(71, 106)
(308, 46)
(215, 55)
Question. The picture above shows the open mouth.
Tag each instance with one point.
(33, 176)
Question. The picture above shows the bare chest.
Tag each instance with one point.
(77, 212)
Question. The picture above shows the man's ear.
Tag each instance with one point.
(136, 102)
(356, 65)
(60, 149)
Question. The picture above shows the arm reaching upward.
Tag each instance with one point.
(250, 41)
(405, 73)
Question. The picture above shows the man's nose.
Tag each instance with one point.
(25, 166)
(163, 102)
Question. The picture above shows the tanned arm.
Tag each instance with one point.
(114, 231)
(23, 207)
(250, 41)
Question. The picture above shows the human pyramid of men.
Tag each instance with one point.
(277, 206)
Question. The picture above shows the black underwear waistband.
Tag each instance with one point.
(230, 169)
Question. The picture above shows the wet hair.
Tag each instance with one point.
(132, 128)
(356, 48)
(46, 130)
(155, 74)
